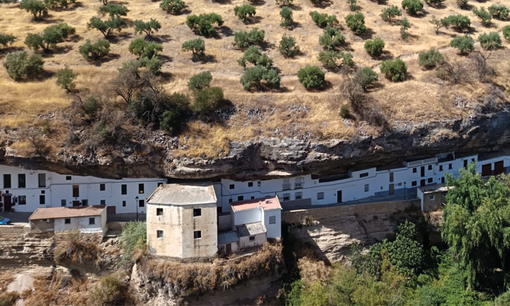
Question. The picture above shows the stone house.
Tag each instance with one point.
(432, 197)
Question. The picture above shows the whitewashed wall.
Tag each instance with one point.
(273, 230)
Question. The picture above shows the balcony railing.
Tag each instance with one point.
(298, 185)
(286, 186)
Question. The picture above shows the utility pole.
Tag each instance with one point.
(136, 205)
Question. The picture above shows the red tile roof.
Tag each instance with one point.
(267, 204)
(67, 212)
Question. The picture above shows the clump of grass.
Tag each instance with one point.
(9, 298)
(110, 291)
(134, 241)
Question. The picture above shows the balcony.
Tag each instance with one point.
(286, 186)
(298, 185)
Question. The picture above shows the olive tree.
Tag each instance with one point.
(286, 14)
(50, 37)
(35, 7)
(204, 23)
(254, 77)
(330, 59)
(196, 47)
(459, 22)
(147, 27)
(254, 56)
(430, 58)
(174, 7)
(356, 22)
(465, 44)
(20, 66)
(499, 11)
(105, 26)
(394, 70)
(288, 46)
(65, 78)
(390, 12)
(243, 40)
(412, 7)
(484, 16)
(374, 47)
(245, 11)
(94, 51)
(365, 77)
(200, 81)
(490, 41)
(331, 39)
(311, 77)
(114, 10)
(6, 39)
(506, 32)
(323, 20)
(142, 48)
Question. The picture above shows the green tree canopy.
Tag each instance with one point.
(490, 41)
(204, 23)
(196, 46)
(323, 20)
(105, 26)
(147, 27)
(6, 39)
(374, 47)
(288, 46)
(35, 7)
(65, 78)
(412, 7)
(465, 43)
(94, 51)
(331, 39)
(244, 11)
(311, 77)
(254, 56)
(114, 10)
(200, 81)
(174, 7)
(390, 12)
(243, 39)
(356, 22)
(19, 65)
(286, 14)
(394, 70)
(142, 48)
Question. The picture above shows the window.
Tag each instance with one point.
(42, 199)
(367, 187)
(76, 191)
(252, 198)
(123, 203)
(363, 174)
(141, 203)
(465, 163)
(22, 181)
(103, 202)
(42, 180)
(42, 191)
(159, 211)
(231, 186)
(102, 187)
(160, 184)
(219, 209)
(430, 167)
(250, 184)
(240, 198)
(197, 212)
(123, 189)
(450, 167)
(7, 181)
(22, 200)
(414, 183)
(441, 168)
(63, 202)
(197, 234)
(430, 180)
(320, 195)
(415, 170)
(399, 184)
(141, 188)
(68, 178)
(159, 234)
(286, 196)
(391, 177)
(85, 202)
(298, 195)
(92, 221)
(432, 197)
(272, 220)
(67, 221)
(252, 238)
(230, 200)
(442, 180)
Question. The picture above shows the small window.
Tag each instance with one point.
(159, 233)
(22, 200)
(141, 203)
(76, 191)
(43, 192)
(42, 199)
(159, 211)
(415, 170)
(68, 178)
(103, 202)
(141, 188)
(430, 167)
(219, 209)
(63, 202)
(414, 183)
(363, 174)
(197, 234)
(252, 198)
(123, 189)
(92, 221)
(442, 180)
(450, 167)
(22, 181)
(240, 198)
(250, 184)
(230, 200)
(102, 187)
(42, 180)
(430, 180)
(197, 212)
(320, 195)
(67, 221)
(84, 202)
(123, 203)
(252, 238)
(441, 168)
(298, 195)
(286, 196)
(465, 163)
(272, 219)
(7, 181)
(367, 187)
(432, 197)
(232, 186)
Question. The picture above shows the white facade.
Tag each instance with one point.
(32, 189)
(268, 213)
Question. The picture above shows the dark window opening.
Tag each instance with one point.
(42, 200)
(76, 191)
(252, 238)
(414, 183)
(103, 202)
(197, 234)
(92, 221)
(232, 186)
(123, 203)
(415, 170)
(123, 189)
(250, 184)
(42, 180)
(240, 198)
(67, 221)
(63, 202)
(430, 167)
(363, 174)
(7, 181)
(22, 181)
(141, 203)
(68, 178)
(441, 168)
(197, 212)
(159, 211)
(159, 234)
(141, 188)
(450, 167)
(102, 187)
(85, 202)
(22, 200)
(430, 180)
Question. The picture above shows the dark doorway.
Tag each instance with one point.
(422, 171)
(392, 188)
(499, 168)
(76, 203)
(486, 170)
(229, 248)
(339, 196)
(7, 202)
(422, 183)
(111, 210)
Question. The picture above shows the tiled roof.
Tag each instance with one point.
(183, 194)
(266, 204)
(250, 229)
(67, 212)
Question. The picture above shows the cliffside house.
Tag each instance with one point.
(89, 219)
(432, 197)
(182, 221)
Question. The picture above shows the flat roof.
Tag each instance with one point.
(265, 203)
(67, 212)
(435, 188)
(227, 238)
(183, 194)
(251, 229)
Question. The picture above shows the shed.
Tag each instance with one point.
(228, 242)
(251, 234)
(432, 197)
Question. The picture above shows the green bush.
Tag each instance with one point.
(288, 46)
(462, 3)
(499, 11)
(35, 7)
(65, 78)
(330, 59)
(286, 14)
(395, 70)
(412, 7)
(254, 56)
(90, 107)
(207, 101)
(323, 20)
(365, 76)
(204, 23)
(147, 27)
(465, 44)
(142, 48)
(374, 47)
(114, 10)
(153, 64)
(459, 22)
(356, 22)
(243, 40)
(174, 7)
(311, 77)
(490, 41)
(506, 32)
(484, 16)
(244, 11)
(58, 3)
(20, 66)
(173, 119)
(200, 81)
(110, 291)
(404, 26)
(390, 12)
(95, 51)
(430, 59)
(331, 39)
(105, 26)
(50, 37)
(196, 46)
(345, 112)
(255, 75)
(6, 39)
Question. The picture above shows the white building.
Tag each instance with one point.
(26, 190)
(89, 219)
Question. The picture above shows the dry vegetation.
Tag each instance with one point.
(77, 248)
(292, 111)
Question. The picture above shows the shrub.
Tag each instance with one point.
(506, 32)
(404, 26)
(484, 16)
(288, 46)
(434, 2)
(329, 59)
(19, 65)
(499, 11)
(353, 5)
(50, 37)
(255, 75)
(431, 58)
(105, 26)
(243, 40)
(147, 27)
(90, 107)
(286, 14)
(133, 240)
(345, 112)
(6, 39)
(110, 291)
(257, 58)
(438, 24)
(114, 10)
(459, 22)
(153, 64)
(465, 44)
(77, 248)
(374, 47)
(35, 7)
(356, 22)
(490, 41)
(196, 46)
(207, 100)
(142, 48)
(200, 81)
(390, 12)
(174, 7)
(462, 3)
(203, 24)
(323, 20)
(95, 51)
(331, 39)
(311, 77)
(65, 78)
(365, 76)
(318, 2)
(394, 69)
(412, 7)
(244, 11)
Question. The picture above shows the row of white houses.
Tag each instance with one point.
(26, 190)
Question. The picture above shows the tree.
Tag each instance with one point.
(430, 59)
(353, 5)
(254, 76)
(438, 24)
(499, 11)
(50, 37)
(459, 22)
(153, 64)
(390, 12)
(374, 47)
(35, 41)
(356, 22)
(462, 4)
(412, 7)
(434, 3)
(323, 20)
(506, 32)
(147, 27)
(203, 24)
(284, 2)
(476, 222)
(365, 77)
(288, 46)
(173, 119)
(6, 39)
(243, 40)
(331, 39)
(92, 52)
(311, 77)
(465, 44)
(34, 7)
(329, 59)
(207, 100)
(19, 65)
(200, 81)
(174, 7)
(484, 16)
(286, 14)
(395, 70)
(196, 46)
(114, 10)
(142, 48)
(105, 26)
(254, 56)
(490, 41)
(65, 78)
(244, 11)
(404, 26)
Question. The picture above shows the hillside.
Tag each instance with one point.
(61, 134)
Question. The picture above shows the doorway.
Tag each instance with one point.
(422, 171)
(76, 203)
(422, 183)
(499, 168)
(392, 188)
(339, 196)
(229, 248)
(7, 202)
